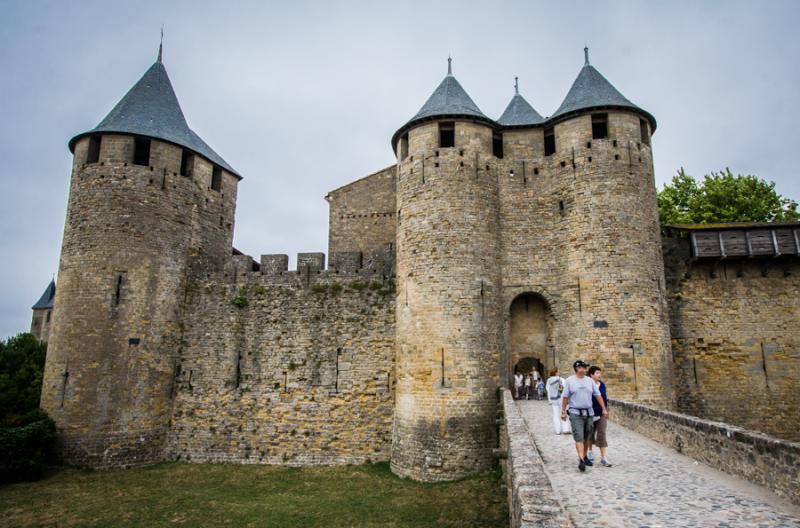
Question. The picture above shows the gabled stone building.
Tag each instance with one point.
(490, 245)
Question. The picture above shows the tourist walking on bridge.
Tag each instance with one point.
(555, 385)
(598, 437)
(579, 390)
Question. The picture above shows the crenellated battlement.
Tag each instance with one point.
(345, 267)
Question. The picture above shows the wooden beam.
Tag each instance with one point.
(796, 242)
(694, 243)
(775, 249)
(749, 244)
(722, 254)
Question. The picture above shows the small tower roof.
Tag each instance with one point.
(151, 109)
(46, 300)
(592, 90)
(519, 112)
(449, 99)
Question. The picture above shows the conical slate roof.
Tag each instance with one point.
(519, 112)
(46, 300)
(449, 99)
(592, 90)
(151, 109)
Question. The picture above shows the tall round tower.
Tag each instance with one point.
(602, 146)
(149, 204)
(448, 278)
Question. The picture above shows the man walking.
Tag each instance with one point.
(579, 390)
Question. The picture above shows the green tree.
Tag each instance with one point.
(723, 197)
(21, 371)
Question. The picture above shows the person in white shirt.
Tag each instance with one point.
(554, 385)
(517, 385)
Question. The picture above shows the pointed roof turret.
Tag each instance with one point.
(448, 100)
(46, 300)
(151, 109)
(519, 112)
(592, 90)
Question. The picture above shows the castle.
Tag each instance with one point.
(490, 245)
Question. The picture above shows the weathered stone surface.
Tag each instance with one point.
(761, 459)
(735, 329)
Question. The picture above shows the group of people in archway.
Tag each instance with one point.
(529, 386)
(580, 408)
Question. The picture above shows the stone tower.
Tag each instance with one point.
(612, 246)
(149, 204)
(42, 313)
(448, 280)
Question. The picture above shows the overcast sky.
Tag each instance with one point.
(303, 97)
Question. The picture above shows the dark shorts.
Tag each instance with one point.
(599, 433)
(582, 427)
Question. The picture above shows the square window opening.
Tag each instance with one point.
(447, 135)
(497, 145)
(93, 154)
(216, 179)
(599, 126)
(644, 131)
(549, 141)
(187, 162)
(141, 152)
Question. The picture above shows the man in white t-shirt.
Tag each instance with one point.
(579, 390)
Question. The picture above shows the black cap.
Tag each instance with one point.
(579, 363)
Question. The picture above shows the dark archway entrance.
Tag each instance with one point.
(529, 335)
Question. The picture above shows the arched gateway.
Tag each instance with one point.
(529, 343)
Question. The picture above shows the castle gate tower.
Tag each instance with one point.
(448, 303)
(613, 240)
(149, 203)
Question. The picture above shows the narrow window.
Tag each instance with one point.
(93, 155)
(141, 151)
(118, 290)
(216, 179)
(187, 162)
(599, 126)
(645, 132)
(47, 317)
(549, 141)
(497, 145)
(447, 135)
(404, 147)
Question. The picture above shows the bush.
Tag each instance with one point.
(21, 371)
(25, 429)
(23, 450)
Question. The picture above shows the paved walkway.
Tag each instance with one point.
(650, 485)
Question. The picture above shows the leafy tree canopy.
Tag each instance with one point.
(21, 370)
(723, 197)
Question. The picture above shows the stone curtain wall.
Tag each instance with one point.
(363, 214)
(280, 367)
(736, 339)
(758, 458)
(531, 499)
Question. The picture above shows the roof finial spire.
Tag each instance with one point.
(586, 54)
(449, 65)
(161, 45)
(516, 85)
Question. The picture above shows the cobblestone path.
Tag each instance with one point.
(650, 485)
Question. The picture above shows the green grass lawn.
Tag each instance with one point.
(237, 495)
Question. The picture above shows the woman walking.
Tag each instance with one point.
(555, 385)
(598, 437)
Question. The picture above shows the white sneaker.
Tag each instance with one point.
(590, 456)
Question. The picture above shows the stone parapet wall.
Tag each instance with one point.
(761, 459)
(531, 499)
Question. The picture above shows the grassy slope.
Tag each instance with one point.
(236, 495)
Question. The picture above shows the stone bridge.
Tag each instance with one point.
(688, 473)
